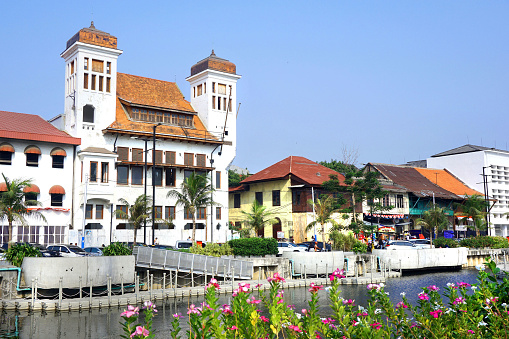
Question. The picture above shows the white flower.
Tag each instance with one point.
(381, 284)
(450, 285)
(361, 308)
(482, 323)
(402, 294)
(298, 315)
(479, 267)
(378, 311)
(473, 288)
(387, 293)
(504, 305)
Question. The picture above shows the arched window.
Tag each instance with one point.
(88, 113)
(6, 151)
(58, 155)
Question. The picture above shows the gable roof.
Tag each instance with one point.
(448, 181)
(415, 182)
(23, 126)
(304, 169)
(466, 149)
(136, 91)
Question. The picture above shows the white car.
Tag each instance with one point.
(401, 245)
(421, 243)
(285, 246)
(68, 250)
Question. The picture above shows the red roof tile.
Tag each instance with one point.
(32, 127)
(445, 179)
(304, 169)
(135, 91)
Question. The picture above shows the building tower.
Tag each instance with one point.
(90, 84)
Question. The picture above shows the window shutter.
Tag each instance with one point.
(170, 158)
(123, 153)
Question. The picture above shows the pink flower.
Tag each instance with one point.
(280, 301)
(363, 314)
(315, 288)
(258, 285)
(226, 309)
(459, 300)
(292, 307)
(436, 313)
(373, 287)
(376, 325)
(140, 331)
(471, 332)
(131, 310)
(213, 283)
(233, 328)
(423, 296)
(148, 305)
(253, 301)
(276, 278)
(463, 284)
(177, 315)
(348, 302)
(401, 304)
(193, 309)
(262, 318)
(337, 274)
(304, 311)
(414, 324)
(328, 321)
(295, 328)
(433, 288)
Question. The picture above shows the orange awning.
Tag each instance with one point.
(3, 187)
(5, 147)
(32, 189)
(58, 151)
(57, 189)
(32, 150)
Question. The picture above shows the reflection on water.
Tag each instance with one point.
(105, 323)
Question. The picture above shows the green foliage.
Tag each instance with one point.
(116, 248)
(324, 208)
(434, 220)
(338, 166)
(444, 242)
(235, 178)
(254, 246)
(137, 213)
(485, 241)
(18, 252)
(214, 250)
(473, 208)
(258, 217)
(359, 247)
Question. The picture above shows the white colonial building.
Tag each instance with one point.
(469, 163)
(31, 148)
(121, 117)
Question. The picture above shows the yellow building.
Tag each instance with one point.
(284, 188)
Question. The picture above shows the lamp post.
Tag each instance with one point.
(486, 196)
(154, 181)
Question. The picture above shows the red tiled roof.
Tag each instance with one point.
(32, 127)
(304, 169)
(445, 179)
(236, 189)
(135, 91)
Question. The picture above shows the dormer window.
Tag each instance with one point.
(183, 120)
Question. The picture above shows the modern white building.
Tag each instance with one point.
(121, 117)
(31, 148)
(469, 163)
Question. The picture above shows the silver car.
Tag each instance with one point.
(400, 245)
(285, 246)
(421, 243)
(68, 250)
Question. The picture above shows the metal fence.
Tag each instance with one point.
(189, 262)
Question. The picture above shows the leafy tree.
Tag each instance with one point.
(435, 220)
(339, 166)
(116, 248)
(473, 207)
(258, 217)
(15, 254)
(14, 203)
(137, 213)
(195, 192)
(235, 178)
(324, 208)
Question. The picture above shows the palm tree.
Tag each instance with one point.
(324, 208)
(137, 213)
(14, 203)
(195, 192)
(474, 207)
(433, 219)
(257, 218)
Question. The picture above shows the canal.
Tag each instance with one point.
(105, 323)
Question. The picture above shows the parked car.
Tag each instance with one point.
(94, 251)
(311, 246)
(285, 246)
(421, 243)
(162, 247)
(400, 245)
(68, 250)
(181, 244)
(44, 251)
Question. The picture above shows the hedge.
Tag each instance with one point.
(445, 242)
(485, 241)
(254, 246)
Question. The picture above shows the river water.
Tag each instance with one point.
(105, 323)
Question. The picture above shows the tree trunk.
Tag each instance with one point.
(323, 238)
(134, 240)
(193, 239)
(10, 234)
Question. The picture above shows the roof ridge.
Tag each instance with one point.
(140, 76)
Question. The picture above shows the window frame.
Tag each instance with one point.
(90, 177)
(218, 179)
(99, 212)
(169, 212)
(218, 213)
(32, 160)
(89, 211)
(236, 200)
(259, 197)
(127, 175)
(276, 198)
(140, 169)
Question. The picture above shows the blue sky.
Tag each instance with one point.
(396, 80)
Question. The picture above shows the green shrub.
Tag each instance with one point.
(117, 248)
(342, 242)
(444, 242)
(359, 247)
(254, 246)
(18, 252)
(485, 241)
(214, 250)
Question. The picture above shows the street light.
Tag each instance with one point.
(145, 185)
(486, 195)
(154, 181)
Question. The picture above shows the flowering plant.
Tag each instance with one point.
(477, 311)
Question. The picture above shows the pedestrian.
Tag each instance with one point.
(156, 241)
(188, 238)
